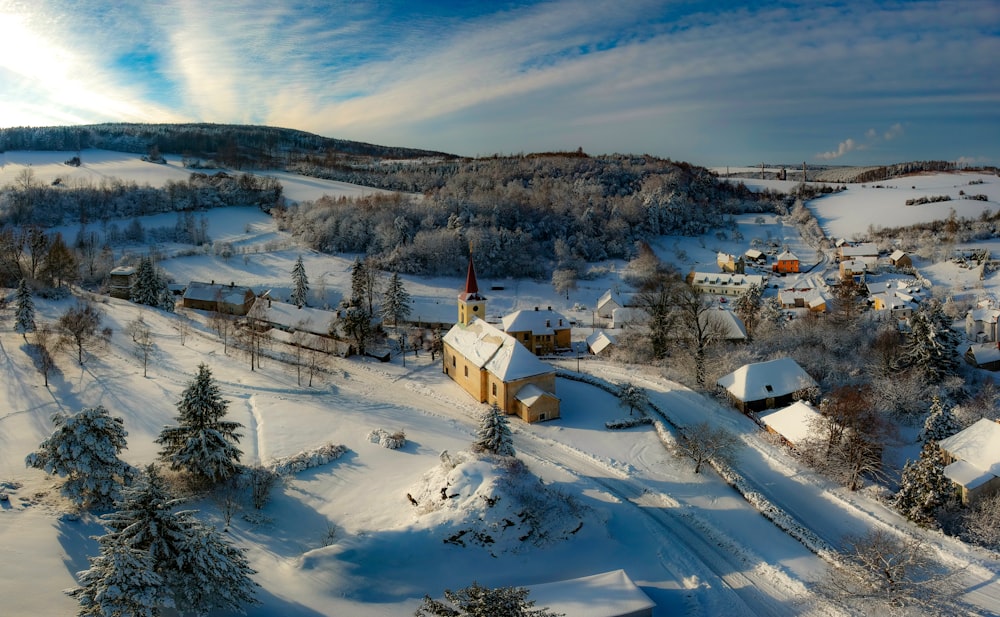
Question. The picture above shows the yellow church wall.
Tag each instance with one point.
(462, 372)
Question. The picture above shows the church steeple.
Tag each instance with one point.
(470, 302)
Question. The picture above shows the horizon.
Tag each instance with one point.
(856, 84)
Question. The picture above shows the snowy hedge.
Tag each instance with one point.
(308, 459)
(384, 438)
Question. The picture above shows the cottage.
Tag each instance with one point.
(900, 259)
(541, 331)
(865, 251)
(984, 355)
(810, 298)
(786, 262)
(231, 299)
(766, 385)
(492, 366)
(611, 300)
(972, 457)
(723, 284)
(611, 594)
(793, 423)
(755, 256)
(730, 263)
(981, 325)
(852, 268)
(599, 342)
(725, 325)
(120, 282)
(897, 304)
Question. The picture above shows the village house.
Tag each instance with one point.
(865, 251)
(984, 355)
(541, 331)
(120, 282)
(726, 324)
(766, 385)
(900, 259)
(981, 325)
(231, 299)
(730, 263)
(808, 295)
(492, 366)
(723, 284)
(755, 256)
(794, 423)
(852, 268)
(785, 263)
(972, 459)
(306, 327)
(609, 301)
(599, 342)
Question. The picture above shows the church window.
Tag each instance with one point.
(466, 371)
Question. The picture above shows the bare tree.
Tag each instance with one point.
(632, 396)
(78, 327)
(252, 334)
(223, 324)
(45, 340)
(142, 342)
(697, 326)
(704, 442)
(982, 522)
(883, 572)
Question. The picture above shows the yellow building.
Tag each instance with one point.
(542, 332)
(492, 366)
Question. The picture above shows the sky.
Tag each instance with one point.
(709, 82)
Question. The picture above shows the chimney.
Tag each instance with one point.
(560, 321)
(550, 308)
(548, 324)
(536, 308)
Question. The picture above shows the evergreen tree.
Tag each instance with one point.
(300, 284)
(748, 307)
(359, 283)
(396, 302)
(940, 423)
(24, 311)
(632, 396)
(149, 287)
(203, 444)
(923, 489)
(60, 264)
(931, 344)
(478, 601)
(164, 558)
(84, 449)
(493, 435)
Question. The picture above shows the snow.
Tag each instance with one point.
(487, 347)
(341, 538)
(608, 594)
(792, 422)
(977, 445)
(761, 380)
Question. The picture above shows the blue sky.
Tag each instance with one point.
(713, 83)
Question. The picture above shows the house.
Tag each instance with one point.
(766, 385)
(786, 262)
(610, 301)
(541, 331)
(611, 594)
(726, 324)
(723, 284)
(120, 282)
(730, 263)
(492, 366)
(231, 299)
(981, 325)
(623, 317)
(599, 342)
(972, 459)
(900, 259)
(897, 304)
(865, 251)
(809, 297)
(984, 355)
(852, 268)
(793, 423)
(307, 327)
(755, 256)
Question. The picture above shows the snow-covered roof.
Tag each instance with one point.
(761, 380)
(530, 394)
(211, 292)
(979, 447)
(854, 265)
(610, 594)
(599, 341)
(985, 315)
(893, 301)
(753, 254)
(731, 325)
(965, 474)
(735, 279)
(544, 321)
(290, 316)
(897, 255)
(123, 271)
(488, 347)
(984, 353)
(865, 249)
(787, 256)
(794, 422)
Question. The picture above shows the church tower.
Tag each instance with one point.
(470, 302)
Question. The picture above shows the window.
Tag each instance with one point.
(466, 371)
(494, 389)
(769, 388)
(453, 360)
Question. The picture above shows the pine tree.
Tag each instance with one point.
(478, 601)
(84, 449)
(300, 284)
(148, 286)
(940, 423)
(748, 306)
(24, 313)
(493, 434)
(203, 444)
(923, 489)
(359, 283)
(396, 302)
(931, 343)
(154, 556)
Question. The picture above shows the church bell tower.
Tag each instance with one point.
(470, 302)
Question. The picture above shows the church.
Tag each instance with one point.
(492, 366)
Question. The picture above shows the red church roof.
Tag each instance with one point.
(471, 286)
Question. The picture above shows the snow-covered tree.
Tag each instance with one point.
(632, 396)
(24, 310)
(203, 444)
(493, 434)
(982, 522)
(174, 560)
(150, 288)
(396, 304)
(923, 489)
(478, 601)
(940, 423)
(300, 284)
(84, 449)
(931, 343)
(704, 442)
(747, 307)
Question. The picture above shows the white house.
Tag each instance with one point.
(723, 284)
(609, 301)
(973, 459)
(981, 325)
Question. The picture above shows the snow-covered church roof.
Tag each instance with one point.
(761, 380)
(488, 347)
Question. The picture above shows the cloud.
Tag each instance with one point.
(845, 146)
(894, 131)
(872, 137)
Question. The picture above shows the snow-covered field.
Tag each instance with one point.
(342, 539)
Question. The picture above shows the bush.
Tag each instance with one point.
(308, 459)
(384, 438)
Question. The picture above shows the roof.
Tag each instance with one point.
(969, 476)
(536, 322)
(316, 321)
(613, 296)
(787, 256)
(610, 594)
(987, 315)
(761, 380)
(897, 255)
(471, 291)
(211, 292)
(794, 422)
(753, 254)
(123, 271)
(984, 353)
(978, 446)
(487, 347)
(530, 394)
(854, 265)
(731, 325)
(865, 249)
(599, 341)
(736, 280)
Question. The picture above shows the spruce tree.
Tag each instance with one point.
(300, 284)
(478, 601)
(203, 444)
(121, 581)
(147, 286)
(923, 489)
(84, 449)
(931, 343)
(24, 312)
(493, 435)
(396, 301)
(940, 423)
